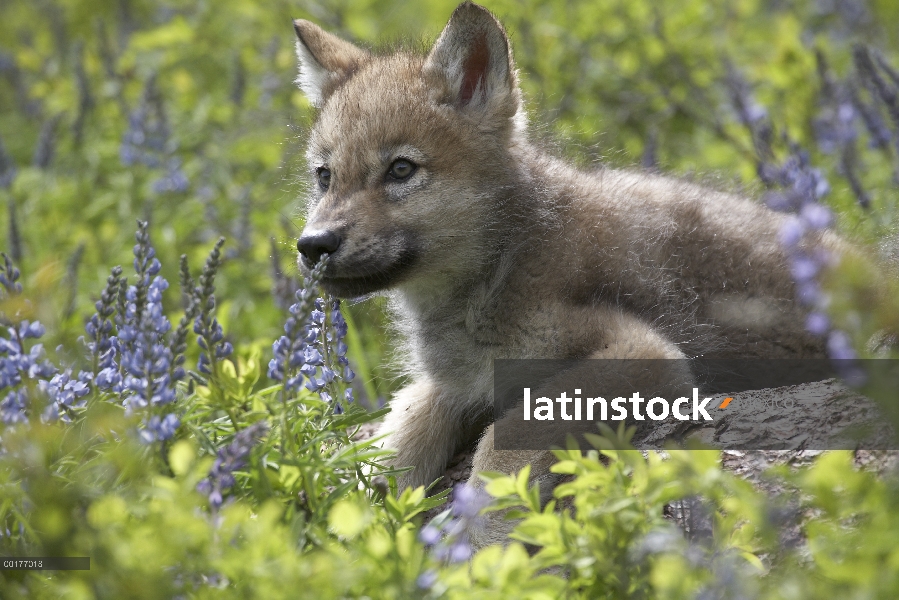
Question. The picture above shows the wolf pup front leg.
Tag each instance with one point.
(423, 430)
(408, 159)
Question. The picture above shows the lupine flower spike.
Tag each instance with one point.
(229, 459)
(211, 338)
(145, 356)
(19, 365)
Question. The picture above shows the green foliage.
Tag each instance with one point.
(617, 82)
(612, 541)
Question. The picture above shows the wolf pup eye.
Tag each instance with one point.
(401, 169)
(324, 177)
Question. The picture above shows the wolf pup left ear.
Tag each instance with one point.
(324, 60)
(471, 64)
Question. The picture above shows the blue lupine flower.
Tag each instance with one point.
(450, 539)
(206, 326)
(160, 428)
(12, 407)
(9, 277)
(99, 329)
(430, 535)
(31, 330)
(880, 134)
(147, 136)
(426, 580)
(802, 186)
(803, 267)
(65, 393)
(290, 349)
(314, 385)
(109, 379)
(308, 370)
(145, 378)
(174, 179)
(791, 232)
(835, 128)
(229, 459)
(312, 357)
(817, 323)
(318, 353)
(16, 364)
(339, 330)
(840, 346)
(816, 216)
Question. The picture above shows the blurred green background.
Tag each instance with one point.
(205, 90)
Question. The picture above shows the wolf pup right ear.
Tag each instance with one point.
(324, 60)
(471, 67)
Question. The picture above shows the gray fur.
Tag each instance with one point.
(494, 249)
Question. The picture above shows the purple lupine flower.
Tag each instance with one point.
(9, 277)
(803, 267)
(31, 330)
(801, 189)
(147, 136)
(339, 331)
(835, 127)
(109, 379)
(144, 378)
(791, 232)
(290, 349)
(159, 428)
(147, 141)
(18, 363)
(145, 355)
(430, 535)
(449, 540)
(65, 394)
(13, 406)
(229, 459)
(312, 357)
(816, 216)
(211, 337)
(174, 179)
(840, 346)
(817, 323)
(427, 579)
(313, 350)
(99, 327)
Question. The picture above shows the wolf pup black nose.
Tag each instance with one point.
(312, 245)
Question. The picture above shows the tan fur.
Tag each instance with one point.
(494, 249)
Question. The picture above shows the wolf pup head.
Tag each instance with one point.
(409, 155)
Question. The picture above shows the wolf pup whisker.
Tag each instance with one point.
(426, 187)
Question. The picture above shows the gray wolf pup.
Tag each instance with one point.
(426, 187)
